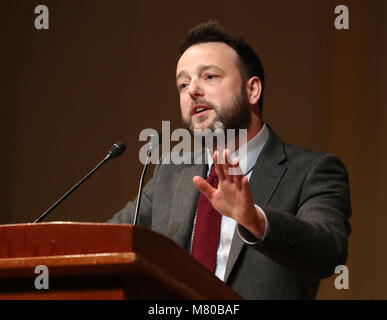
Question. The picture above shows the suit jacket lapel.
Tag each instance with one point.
(266, 176)
(183, 206)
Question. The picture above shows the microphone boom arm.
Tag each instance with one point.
(108, 157)
(148, 155)
(115, 151)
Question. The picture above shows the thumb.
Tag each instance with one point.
(203, 186)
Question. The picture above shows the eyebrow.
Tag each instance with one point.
(200, 68)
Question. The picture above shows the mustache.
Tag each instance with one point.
(204, 102)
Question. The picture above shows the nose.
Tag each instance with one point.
(195, 89)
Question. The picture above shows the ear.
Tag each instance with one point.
(253, 90)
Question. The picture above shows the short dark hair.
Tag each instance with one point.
(249, 63)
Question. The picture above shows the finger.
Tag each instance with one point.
(226, 166)
(235, 169)
(204, 187)
(236, 173)
(246, 187)
(218, 168)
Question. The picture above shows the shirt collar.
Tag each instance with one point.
(247, 159)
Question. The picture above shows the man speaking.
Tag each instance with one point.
(277, 228)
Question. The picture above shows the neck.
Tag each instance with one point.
(255, 127)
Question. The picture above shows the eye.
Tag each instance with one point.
(182, 86)
(211, 77)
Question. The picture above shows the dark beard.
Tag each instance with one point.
(236, 116)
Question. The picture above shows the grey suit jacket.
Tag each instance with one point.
(305, 196)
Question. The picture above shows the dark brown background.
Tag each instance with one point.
(106, 70)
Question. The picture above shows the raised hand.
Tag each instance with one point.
(233, 197)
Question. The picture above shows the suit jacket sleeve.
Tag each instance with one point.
(126, 214)
(313, 240)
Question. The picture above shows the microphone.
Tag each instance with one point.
(115, 151)
(153, 141)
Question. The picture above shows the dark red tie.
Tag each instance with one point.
(207, 228)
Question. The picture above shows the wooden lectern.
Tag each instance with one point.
(100, 261)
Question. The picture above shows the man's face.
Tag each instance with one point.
(210, 87)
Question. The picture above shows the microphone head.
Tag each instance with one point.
(117, 149)
(155, 139)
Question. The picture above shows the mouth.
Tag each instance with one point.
(200, 110)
